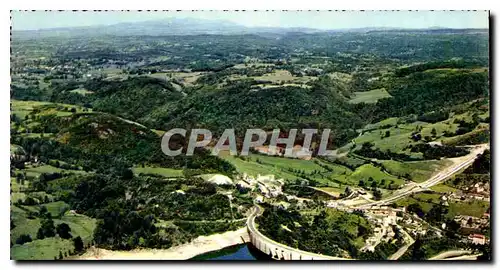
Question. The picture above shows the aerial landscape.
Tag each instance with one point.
(389, 156)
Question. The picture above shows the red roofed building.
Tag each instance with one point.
(477, 239)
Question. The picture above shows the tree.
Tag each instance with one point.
(78, 243)
(29, 201)
(347, 191)
(382, 183)
(452, 227)
(43, 212)
(387, 133)
(486, 253)
(417, 253)
(437, 213)
(19, 177)
(433, 132)
(47, 227)
(39, 234)
(63, 230)
(377, 194)
(415, 208)
(23, 238)
(63, 210)
(127, 174)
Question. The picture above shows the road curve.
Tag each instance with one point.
(464, 258)
(403, 249)
(450, 254)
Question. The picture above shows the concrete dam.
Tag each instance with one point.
(276, 250)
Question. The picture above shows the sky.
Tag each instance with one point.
(32, 20)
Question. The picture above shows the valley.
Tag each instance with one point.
(410, 128)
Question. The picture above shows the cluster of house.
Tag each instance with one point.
(470, 223)
(311, 71)
(472, 226)
(17, 157)
(384, 211)
(479, 191)
(268, 186)
(384, 219)
(297, 151)
(372, 242)
(480, 188)
(477, 239)
(414, 226)
(469, 197)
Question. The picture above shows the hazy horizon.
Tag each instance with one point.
(323, 20)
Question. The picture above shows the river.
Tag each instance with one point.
(242, 252)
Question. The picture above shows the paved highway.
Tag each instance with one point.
(440, 177)
(403, 249)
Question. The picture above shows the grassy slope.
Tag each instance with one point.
(46, 249)
(167, 172)
(419, 171)
(366, 171)
(280, 167)
(369, 96)
(83, 226)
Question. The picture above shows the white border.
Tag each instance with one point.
(256, 4)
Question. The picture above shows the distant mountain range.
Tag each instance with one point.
(190, 26)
